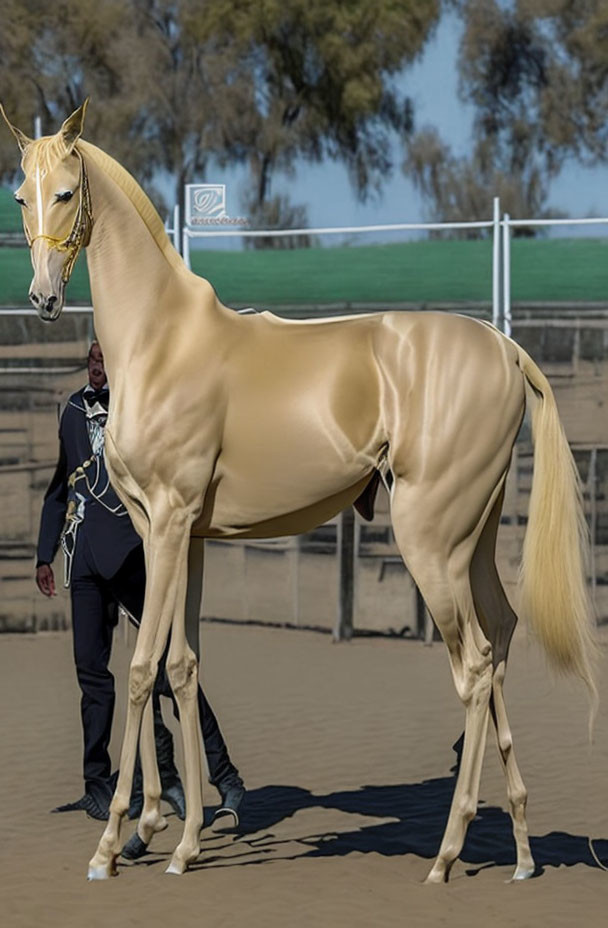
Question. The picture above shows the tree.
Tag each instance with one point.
(319, 77)
(461, 189)
(156, 106)
(277, 212)
(178, 82)
(536, 72)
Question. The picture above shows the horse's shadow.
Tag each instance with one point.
(421, 812)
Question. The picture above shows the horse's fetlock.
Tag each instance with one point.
(149, 818)
(467, 807)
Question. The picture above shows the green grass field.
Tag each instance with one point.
(10, 214)
(16, 276)
(418, 272)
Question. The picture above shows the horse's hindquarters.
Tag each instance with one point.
(453, 413)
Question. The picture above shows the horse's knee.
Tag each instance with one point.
(141, 680)
(183, 674)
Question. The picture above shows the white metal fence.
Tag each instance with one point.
(501, 231)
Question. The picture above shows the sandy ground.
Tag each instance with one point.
(346, 750)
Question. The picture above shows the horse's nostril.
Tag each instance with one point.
(51, 300)
(34, 298)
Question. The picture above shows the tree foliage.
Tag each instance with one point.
(536, 72)
(175, 83)
(460, 189)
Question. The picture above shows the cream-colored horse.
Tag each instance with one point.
(225, 425)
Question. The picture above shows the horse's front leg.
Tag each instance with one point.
(103, 863)
(182, 670)
(151, 819)
(166, 554)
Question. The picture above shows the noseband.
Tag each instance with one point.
(80, 234)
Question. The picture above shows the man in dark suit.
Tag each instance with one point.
(104, 567)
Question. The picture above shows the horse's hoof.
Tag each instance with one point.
(100, 873)
(182, 858)
(522, 873)
(436, 876)
(134, 848)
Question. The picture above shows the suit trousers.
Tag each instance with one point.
(94, 615)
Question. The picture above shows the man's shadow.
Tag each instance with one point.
(421, 811)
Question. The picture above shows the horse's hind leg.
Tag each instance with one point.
(441, 571)
(499, 621)
(516, 790)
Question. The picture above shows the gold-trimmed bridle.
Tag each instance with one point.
(80, 234)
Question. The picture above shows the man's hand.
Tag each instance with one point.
(45, 579)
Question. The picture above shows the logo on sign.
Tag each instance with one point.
(209, 201)
(206, 205)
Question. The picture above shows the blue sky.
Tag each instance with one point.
(432, 83)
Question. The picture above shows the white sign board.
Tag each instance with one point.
(205, 204)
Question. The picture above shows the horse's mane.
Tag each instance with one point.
(136, 195)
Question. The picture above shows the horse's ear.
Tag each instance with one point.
(22, 140)
(71, 130)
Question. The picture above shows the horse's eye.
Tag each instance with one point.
(64, 196)
(20, 200)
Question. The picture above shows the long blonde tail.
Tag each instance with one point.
(554, 595)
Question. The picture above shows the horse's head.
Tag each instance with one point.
(56, 209)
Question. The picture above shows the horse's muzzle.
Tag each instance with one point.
(47, 307)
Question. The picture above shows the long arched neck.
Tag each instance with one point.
(139, 284)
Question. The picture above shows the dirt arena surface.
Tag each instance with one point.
(346, 752)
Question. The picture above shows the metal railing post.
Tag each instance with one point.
(496, 249)
(343, 629)
(186, 247)
(592, 487)
(176, 229)
(506, 274)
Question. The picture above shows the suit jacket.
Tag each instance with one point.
(96, 515)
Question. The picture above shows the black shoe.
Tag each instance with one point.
(174, 795)
(134, 848)
(94, 808)
(226, 818)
